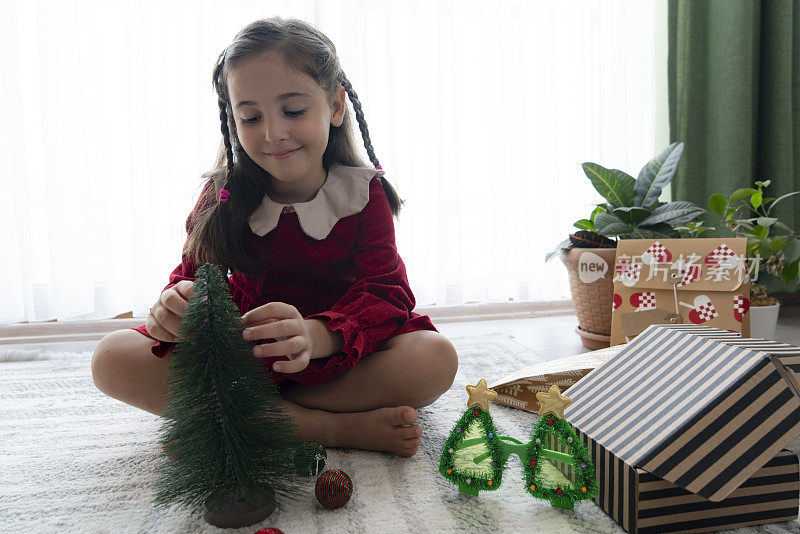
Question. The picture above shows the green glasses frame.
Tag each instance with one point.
(551, 432)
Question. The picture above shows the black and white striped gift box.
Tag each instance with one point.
(687, 426)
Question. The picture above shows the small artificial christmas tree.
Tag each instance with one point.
(569, 475)
(234, 446)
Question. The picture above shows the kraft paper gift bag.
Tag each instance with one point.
(680, 281)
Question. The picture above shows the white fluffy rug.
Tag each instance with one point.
(74, 460)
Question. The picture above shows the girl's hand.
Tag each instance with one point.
(280, 321)
(165, 316)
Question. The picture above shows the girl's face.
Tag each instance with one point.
(283, 119)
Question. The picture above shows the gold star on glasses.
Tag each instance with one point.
(480, 395)
(553, 402)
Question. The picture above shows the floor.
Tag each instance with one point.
(555, 337)
(551, 337)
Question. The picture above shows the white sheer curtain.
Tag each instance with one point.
(480, 112)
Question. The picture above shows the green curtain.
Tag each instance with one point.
(734, 98)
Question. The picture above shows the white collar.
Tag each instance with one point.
(344, 193)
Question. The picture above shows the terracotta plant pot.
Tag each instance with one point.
(593, 341)
(763, 320)
(591, 275)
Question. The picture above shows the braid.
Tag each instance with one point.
(362, 122)
(222, 216)
(223, 117)
(219, 84)
(394, 199)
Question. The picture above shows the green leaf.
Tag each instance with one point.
(558, 250)
(792, 250)
(717, 203)
(584, 224)
(700, 231)
(673, 213)
(741, 193)
(787, 195)
(779, 242)
(755, 199)
(631, 214)
(779, 224)
(760, 232)
(763, 184)
(764, 247)
(766, 221)
(610, 225)
(661, 230)
(790, 271)
(692, 231)
(612, 184)
(658, 172)
(601, 208)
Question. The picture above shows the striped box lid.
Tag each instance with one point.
(700, 407)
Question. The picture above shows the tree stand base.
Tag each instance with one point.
(227, 511)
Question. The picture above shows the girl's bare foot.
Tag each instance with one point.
(385, 429)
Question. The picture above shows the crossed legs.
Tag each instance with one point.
(371, 406)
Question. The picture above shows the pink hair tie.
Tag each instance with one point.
(378, 168)
(223, 195)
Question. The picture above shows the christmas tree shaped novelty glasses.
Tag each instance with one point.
(556, 464)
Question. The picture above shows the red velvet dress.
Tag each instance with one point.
(353, 278)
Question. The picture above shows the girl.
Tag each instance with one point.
(306, 230)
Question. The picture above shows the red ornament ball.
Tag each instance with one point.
(270, 531)
(559, 491)
(533, 463)
(333, 488)
(549, 421)
(477, 411)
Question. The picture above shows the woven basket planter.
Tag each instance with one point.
(593, 300)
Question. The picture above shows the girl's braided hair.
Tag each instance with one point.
(217, 229)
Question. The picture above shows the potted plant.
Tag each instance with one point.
(773, 248)
(631, 210)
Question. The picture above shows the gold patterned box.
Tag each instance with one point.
(680, 281)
